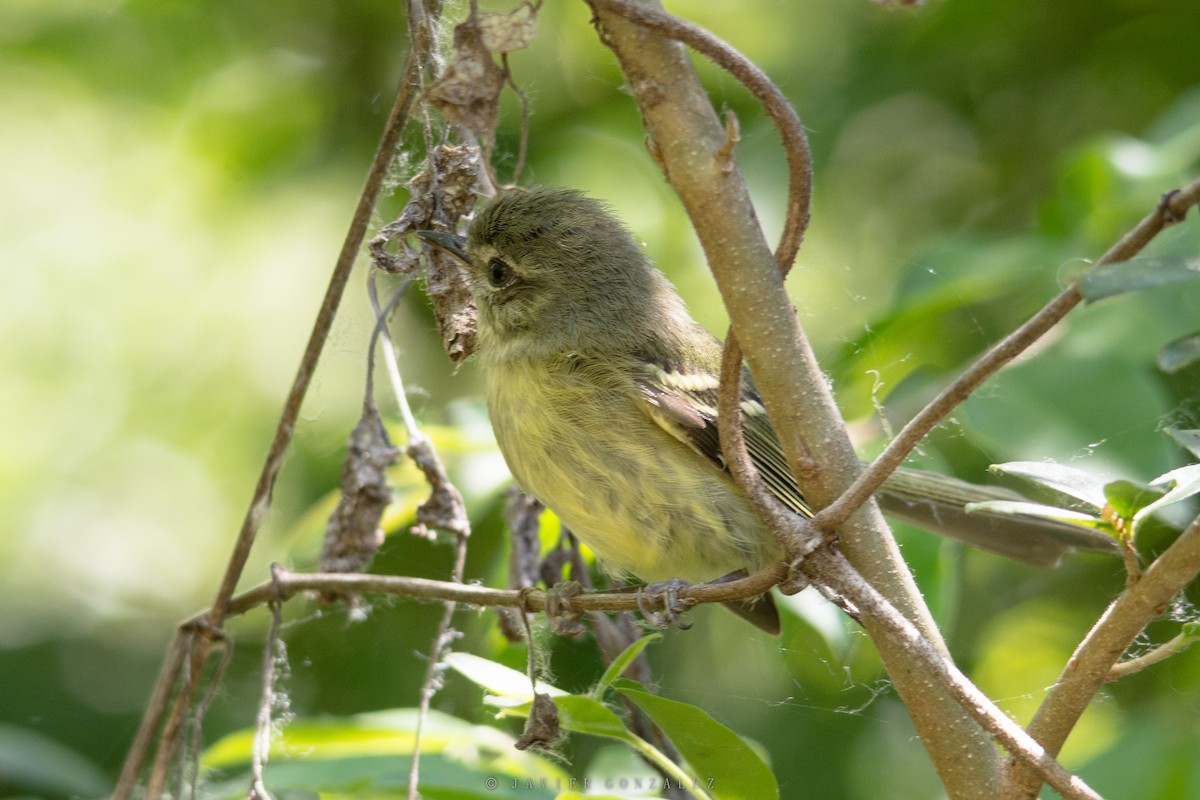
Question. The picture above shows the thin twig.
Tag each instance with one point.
(291, 583)
(420, 448)
(774, 103)
(1176, 645)
(1171, 209)
(1092, 662)
(788, 528)
(824, 565)
(431, 683)
(284, 431)
(523, 100)
(868, 482)
(198, 715)
(171, 736)
(143, 741)
(381, 339)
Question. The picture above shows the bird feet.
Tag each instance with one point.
(661, 605)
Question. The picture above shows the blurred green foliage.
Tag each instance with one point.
(177, 179)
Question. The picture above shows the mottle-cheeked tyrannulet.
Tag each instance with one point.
(602, 391)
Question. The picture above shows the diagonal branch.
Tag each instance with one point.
(774, 103)
(284, 431)
(826, 565)
(1173, 207)
(689, 139)
(1088, 669)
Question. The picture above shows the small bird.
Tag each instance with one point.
(602, 391)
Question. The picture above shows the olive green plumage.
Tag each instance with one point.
(592, 363)
(602, 391)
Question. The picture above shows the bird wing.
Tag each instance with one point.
(683, 402)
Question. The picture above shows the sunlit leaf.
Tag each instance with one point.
(714, 752)
(1071, 483)
(368, 755)
(497, 678)
(1107, 280)
(378, 732)
(1181, 484)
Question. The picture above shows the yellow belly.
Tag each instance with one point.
(646, 504)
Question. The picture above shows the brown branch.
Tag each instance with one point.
(687, 136)
(823, 564)
(289, 584)
(143, 740)
(284, 431)
(1171, 209)
(171, 735)
(799, 157)
(776, 105)
(792, 532)
(409, 88)
(1090, 665)
(826, 565)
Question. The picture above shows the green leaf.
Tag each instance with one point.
(497, 678)
(389, 732)
(621, 662)
(1022, 509)
(1107, 280)
(585, 715)
(1189, 439)
(368, 755)
(576, 713)
(1071, 483)
(1127, 498)
(1179, 354)
(1181, 484)
(714, 752)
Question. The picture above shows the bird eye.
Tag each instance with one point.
(499, 272)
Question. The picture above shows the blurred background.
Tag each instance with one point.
(177, 179)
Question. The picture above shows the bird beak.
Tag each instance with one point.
(451, 242)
